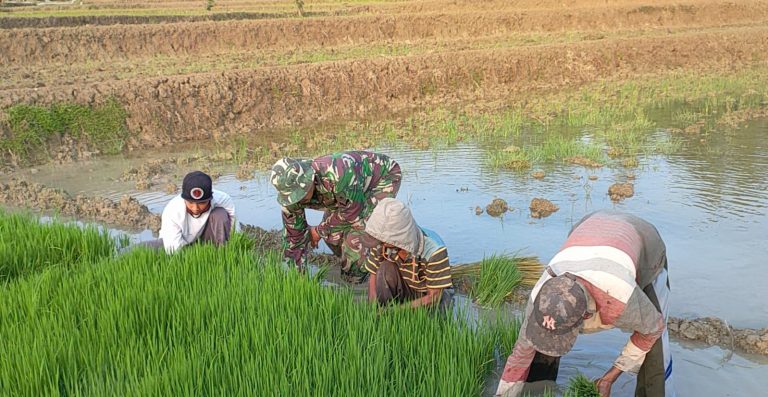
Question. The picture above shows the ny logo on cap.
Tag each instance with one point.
(196, 193)
(548, 323)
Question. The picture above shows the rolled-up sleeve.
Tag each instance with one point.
(647, 324)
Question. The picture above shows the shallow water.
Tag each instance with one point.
(709, 203)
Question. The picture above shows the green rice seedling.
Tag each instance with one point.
(224, 321)
(496, 277)
(512, 160)
(557, 148)
(506, 328)
(529, 266)
(499, 276)
(581, 386)
(28, 246)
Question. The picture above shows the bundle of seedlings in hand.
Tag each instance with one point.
(581, 386)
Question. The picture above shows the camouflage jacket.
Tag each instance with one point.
(345, 185)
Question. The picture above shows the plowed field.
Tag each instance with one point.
(182, 73)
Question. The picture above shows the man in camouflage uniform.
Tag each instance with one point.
(347, 186)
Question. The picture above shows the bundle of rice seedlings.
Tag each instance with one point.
(581, 386)
(495, 278)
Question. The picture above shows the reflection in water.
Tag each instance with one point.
(727, 175)
(708, 202)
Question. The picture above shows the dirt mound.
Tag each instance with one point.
(127, 212)
(620, 191)
(89, 43)
(583, 161)
(497, 207)
(205, 106)
(714, 331)
(542, 208)
(538, 174)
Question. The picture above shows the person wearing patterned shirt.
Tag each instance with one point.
(346, 186)
(611, 272)
(408, 264)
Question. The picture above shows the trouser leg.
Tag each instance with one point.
(390, 286)
(543, 367)
(156, 244)
(217, 229)
(655, 376)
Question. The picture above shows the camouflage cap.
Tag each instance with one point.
(293, 179)
(558, 313)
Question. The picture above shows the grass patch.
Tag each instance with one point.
(226, 321)
(27, 246)
(33, 127)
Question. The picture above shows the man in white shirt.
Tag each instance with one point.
(199, 213)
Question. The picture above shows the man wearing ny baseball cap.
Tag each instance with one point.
(199, 214)
(611, 272)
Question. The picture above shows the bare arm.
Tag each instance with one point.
(372, 287)
(431, 298)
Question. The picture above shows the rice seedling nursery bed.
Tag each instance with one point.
(226, 321)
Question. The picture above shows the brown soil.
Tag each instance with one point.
(538, 174)
(542, 208)
(127, 212)
(70, 21)
(205, 106)
(714, 331)
(478, 210)
(578, 160)
(620, 191)
(497, 207)
(78, 44)
(629, 162)
(614, 152)
(593, 177)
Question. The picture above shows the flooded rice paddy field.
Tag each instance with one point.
(182, 75)
(709, 202)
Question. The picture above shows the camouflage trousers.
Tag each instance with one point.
(347, 243)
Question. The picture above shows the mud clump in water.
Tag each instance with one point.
(273, 240)
(265, 239)
(714, 331)
(127, 212)
(542, 208)
(245, 171)
(593, 177)
(144, 174)
(497, 207)
(620, 191)
(478, 210)
(538, 174)
(583, 161)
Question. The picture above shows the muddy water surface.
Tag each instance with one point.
(710, 204)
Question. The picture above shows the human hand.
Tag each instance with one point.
(508, 389)
(604, 387)
(314, 237)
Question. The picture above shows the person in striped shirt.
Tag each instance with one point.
(611, 272)
(407, 263)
